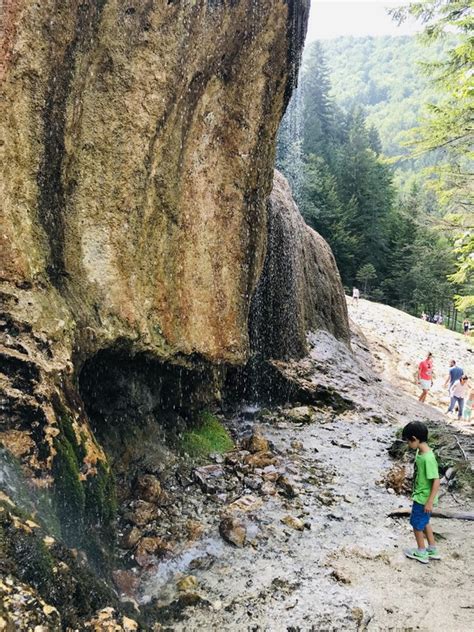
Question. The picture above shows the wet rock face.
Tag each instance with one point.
(139, 141)
(139, 144)
(300, 289)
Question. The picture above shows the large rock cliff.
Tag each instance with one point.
(139, 142)
(139, 146)
(138, 139)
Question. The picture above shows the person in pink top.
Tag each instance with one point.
(425, 376)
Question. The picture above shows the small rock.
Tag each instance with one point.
(268, 489)
(130, 538)
(194, 529)
(202, 563)
(245, 503)
(129, 625)
(236, 457)
(300, 414)
(340, 576)
(297, 445)
(187, 583)
(294, 523)
(127, 583)
(233, 530)
(252, 482)
(47, 609)
(289, 489)
(257, 442)
(217, 458)
(151, 546)
(339, 444)
(260, 459)
(143, 513)
(205, 475)
(270, 473)
(148, 488)
(325, 499)
(155, 545)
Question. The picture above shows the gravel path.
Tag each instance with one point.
(345, 568)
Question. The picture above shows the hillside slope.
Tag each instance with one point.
(400, 341)
(382, 74)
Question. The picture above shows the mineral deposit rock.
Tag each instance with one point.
(300, 288)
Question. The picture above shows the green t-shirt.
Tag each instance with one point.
(426, 469)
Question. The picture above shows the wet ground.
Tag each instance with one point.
(326, 556)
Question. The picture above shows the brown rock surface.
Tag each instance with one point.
(139, 145)
(233, 531)
(139, 141)
(148, 488)
(300, 289)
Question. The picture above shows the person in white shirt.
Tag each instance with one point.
(459, 392)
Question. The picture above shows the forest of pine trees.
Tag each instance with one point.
(382, 228)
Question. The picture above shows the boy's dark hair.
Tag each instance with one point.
(415, 429)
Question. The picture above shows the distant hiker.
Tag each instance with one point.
(425, 376)
(423, 316)
(355, 296)
(466, 324)
(468, 402)
(425, 489)
(459, 392)
(455, 373)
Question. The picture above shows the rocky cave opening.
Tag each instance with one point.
(138, 406)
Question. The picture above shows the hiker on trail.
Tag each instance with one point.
(468, 403)
(455, 374)
(355, 296)
(425, 376)
(423, 316)
(466, 324)
(425, 489)
(459, 392)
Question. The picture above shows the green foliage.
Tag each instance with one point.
(373, 210)
(209, 437)
(100, 497)
(448, 125)
(366, 274)
(68, 490)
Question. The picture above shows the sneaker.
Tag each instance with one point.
(414, 554)
(433, 554)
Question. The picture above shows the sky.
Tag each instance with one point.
(332, 18)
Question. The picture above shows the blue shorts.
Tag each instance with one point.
(419, 518)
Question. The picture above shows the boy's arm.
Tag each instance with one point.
(434, 490)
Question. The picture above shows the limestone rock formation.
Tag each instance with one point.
(139, 143)
(300, 288)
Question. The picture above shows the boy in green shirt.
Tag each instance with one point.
(425, 490)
